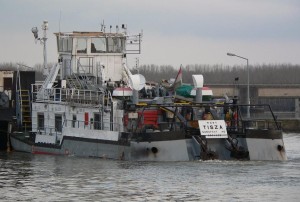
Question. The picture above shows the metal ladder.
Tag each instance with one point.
(23, 106)
(25, 109)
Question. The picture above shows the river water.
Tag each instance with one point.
(27, 177)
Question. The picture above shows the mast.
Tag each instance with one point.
(42, 41)
(45, 28)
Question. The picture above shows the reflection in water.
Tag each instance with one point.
(27, 177)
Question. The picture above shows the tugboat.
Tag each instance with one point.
(91, 105)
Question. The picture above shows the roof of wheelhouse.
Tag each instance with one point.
(88, 34)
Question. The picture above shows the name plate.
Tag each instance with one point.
(213, 128)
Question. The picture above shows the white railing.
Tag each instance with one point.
(65, 95)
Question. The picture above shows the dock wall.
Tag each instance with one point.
(290, 125)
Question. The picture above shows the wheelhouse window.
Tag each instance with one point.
(58, 122)
(64, 44)
(40, 121)
(115, 45)
(81, 45)
(98, 45)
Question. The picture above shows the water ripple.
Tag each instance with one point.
(26, 177)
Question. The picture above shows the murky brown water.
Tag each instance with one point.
(26, 177)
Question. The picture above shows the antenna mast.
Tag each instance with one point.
(43, 41)
(59, 21)
(102, 26)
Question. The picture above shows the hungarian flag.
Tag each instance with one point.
(171, 86)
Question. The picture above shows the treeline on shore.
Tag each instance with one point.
(213, 74)
(219, 74)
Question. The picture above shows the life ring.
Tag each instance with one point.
(67, 152)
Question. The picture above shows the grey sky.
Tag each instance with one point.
(175, 31)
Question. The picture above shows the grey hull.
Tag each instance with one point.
(174, 150)
(254, 147)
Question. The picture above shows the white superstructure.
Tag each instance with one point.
(77, 91)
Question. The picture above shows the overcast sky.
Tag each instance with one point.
(175, 31)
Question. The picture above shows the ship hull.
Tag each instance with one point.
(71, 146)
(265, 145)
(159, 150)
(256, 145)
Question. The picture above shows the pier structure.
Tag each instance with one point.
(283, 98)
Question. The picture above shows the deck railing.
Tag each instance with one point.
(65, 95)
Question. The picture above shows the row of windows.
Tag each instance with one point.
(279, 104)
(57, 122)
(74, 123)
(64, 44)
(97, 45)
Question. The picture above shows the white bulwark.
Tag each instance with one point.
(213, 128)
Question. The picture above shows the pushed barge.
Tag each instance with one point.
(91, 105)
